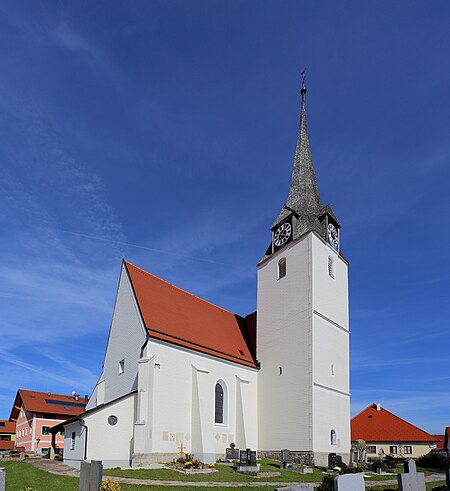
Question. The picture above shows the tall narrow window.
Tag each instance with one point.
(121, 366)
(72, 441)
(333, 437)
(218, 418)
(331, 266)
(282, 268)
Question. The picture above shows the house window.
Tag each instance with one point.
(333, 437)
(219, 402)
(331, 266)
(72, 441)
(371, 449)
(393, 449)
(121, 366)
(46, 430)
(281, 268)
(407, 450)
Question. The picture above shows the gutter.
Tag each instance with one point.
(83, 424)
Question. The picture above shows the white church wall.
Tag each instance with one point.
(74, 447)
(183, 402)
(330, 295)
(284, 350)
(331, 411)
(112, 444)
(126, 338)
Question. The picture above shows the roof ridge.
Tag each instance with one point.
(179, 289)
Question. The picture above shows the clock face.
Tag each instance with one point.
(333, 236)
(282, 234)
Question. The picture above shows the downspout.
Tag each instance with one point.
(83, 424)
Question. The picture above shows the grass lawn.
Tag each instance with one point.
(225, 473)
(429, 486)
(19, 475)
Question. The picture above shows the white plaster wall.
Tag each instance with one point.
(183, 401)
(126, 338)
(329, 296)
(284, 337)
(111, 444)
(331, 399)
(75, 456)
(331, 410)
(418, 448)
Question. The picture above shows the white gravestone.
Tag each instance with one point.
(411, 480)
(2, 479)
(349, 482)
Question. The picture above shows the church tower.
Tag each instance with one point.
(303, 325)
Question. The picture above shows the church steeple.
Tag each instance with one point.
(303, 209)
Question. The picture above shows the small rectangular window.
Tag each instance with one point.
(72, 441)
(281, 268)
(121, 366)
(407, 450)
(46, 430)
(393, 449)
(371, 449)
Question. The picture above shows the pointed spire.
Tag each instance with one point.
(303, 199)
(303, 194)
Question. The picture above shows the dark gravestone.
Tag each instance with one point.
(247, 457)
(232, 453)
(332, 461)
(286, 459)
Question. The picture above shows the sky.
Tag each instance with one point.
(164, 132)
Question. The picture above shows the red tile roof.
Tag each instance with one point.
(382, 426)
(176, 316)
(46, 402)
(7, 426)
(440, 443)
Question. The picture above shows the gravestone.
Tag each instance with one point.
(2, 479)
(232, 453)
(411, 480)
(447, 478)
(296, 487)
(334, 461)
(350, 482)
(247, 461)
(91, 475)
(286, 459)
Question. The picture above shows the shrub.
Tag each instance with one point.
(434, 461)
(440, 488)
(327, 483)
(110, 485)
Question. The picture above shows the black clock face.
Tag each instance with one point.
(333, 236)
(282, 234)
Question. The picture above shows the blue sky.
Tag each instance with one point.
(164, 132)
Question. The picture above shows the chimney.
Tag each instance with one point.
(378, 406)
(86, 397)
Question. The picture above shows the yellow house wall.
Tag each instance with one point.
(418, 448)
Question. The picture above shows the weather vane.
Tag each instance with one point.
(303, 90)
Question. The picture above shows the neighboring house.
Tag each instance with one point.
(34, 413)
(7, 435)
(180, 372)
(387, 434)
(443, 446)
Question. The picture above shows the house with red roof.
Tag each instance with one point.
(34, 413)
(7, 435)
(387, 434)
(183, 375)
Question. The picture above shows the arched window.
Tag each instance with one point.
(331, 266)
(282, 268)
(219, 403)
(333, 437)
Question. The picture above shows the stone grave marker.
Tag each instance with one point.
(350, 482)
(411, 480)
(247, 461)
(232, 453)
(286, 459)
(334, 461)
(91, 475)
(2, 479)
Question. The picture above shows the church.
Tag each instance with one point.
(180, 373)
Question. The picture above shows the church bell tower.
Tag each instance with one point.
(303, 325)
